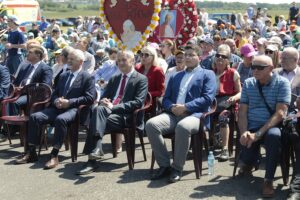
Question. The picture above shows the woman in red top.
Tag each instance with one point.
(228, 93)
(149, 67)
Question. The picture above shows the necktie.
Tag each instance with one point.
(121, 92)
(30, 68)
(68, 84)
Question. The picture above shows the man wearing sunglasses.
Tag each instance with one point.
(263, 105)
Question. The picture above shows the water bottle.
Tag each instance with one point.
(211, 162)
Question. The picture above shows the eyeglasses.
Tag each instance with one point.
(145, 55)
(268, 52)
(258, 67)
(221, 56)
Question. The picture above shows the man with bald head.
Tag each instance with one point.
(263, 105)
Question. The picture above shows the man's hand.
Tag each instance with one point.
(62, 103)
(179, 109)
(106, 102)
(8, 45)
(247, 139)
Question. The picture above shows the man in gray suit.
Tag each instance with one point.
(291, 71)
(124, 93)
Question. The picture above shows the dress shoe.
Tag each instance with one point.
(88, 168)
(268, 189)
(161, 173)
(294, 196)
(119, 150)
(52, 163)
(245, 170)
(175, 176)
(96, 154)
(27, 158)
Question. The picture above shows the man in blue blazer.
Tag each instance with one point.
(74, 88)
(189, 93)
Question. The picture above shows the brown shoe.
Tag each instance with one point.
(52, 163)
(268, 189)
(27, 158)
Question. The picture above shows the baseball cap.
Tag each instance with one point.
(261, 40)
(247, 50)
(30, 34)
(14, 19)
(57, 52)
(208, 40)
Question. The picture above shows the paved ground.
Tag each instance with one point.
(113, 180)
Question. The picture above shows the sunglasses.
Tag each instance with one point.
(145, 55)
(268, 52)
(258, 67)
(221, 56)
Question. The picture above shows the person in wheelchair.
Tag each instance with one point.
(228, 93)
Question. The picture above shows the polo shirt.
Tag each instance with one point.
(278, 90)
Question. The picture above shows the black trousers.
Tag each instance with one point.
(59, 118)
(102, 120)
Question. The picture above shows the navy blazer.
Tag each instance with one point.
(200, 94)
(4, 81)
(134, 96)
(42, 74)
(81, 92)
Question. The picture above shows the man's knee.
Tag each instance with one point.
(150, 125)
(60, 121)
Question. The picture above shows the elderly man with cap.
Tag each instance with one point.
(234, 58)
(263, 105)
(16, 42)
(207, 47)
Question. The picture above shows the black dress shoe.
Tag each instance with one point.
(161, 173)
(175, 176)
(294, 196)
(88, 168)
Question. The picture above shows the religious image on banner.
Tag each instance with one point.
(130, 37)
(167, 23)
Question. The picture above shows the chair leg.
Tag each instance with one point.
(131, 134)
(128, 149)
(143, 145)
(8, 134)
(196, 154)
(231, 134)
(237, 153)
(113, 144)
(152, 161)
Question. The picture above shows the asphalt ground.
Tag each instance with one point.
(113, 180)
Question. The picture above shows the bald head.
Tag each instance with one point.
(262, 60)
(289, 58)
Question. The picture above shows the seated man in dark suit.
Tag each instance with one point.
(36, 72)
(189, 93)
(124, 93)
(73, 89)
(4, 87)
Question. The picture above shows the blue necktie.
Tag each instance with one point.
(68, 83)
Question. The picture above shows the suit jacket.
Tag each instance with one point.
(42, 74)
(81, 92)
(200, 94)
(134, 96)
(4, 81)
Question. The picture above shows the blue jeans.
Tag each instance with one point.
(272, 142)
(13, 62)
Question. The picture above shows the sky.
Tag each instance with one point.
(258, 1)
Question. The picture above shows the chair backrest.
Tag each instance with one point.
(148, 101)
(213, 106)
(38, 94)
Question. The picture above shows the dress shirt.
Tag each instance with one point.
(75, 75)
(35, 66)
(290, 75)
(184, 85)
(127, 78)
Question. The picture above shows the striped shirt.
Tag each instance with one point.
(278, 90)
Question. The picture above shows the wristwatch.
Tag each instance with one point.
(258, 134)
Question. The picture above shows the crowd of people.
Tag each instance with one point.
(249, 65)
